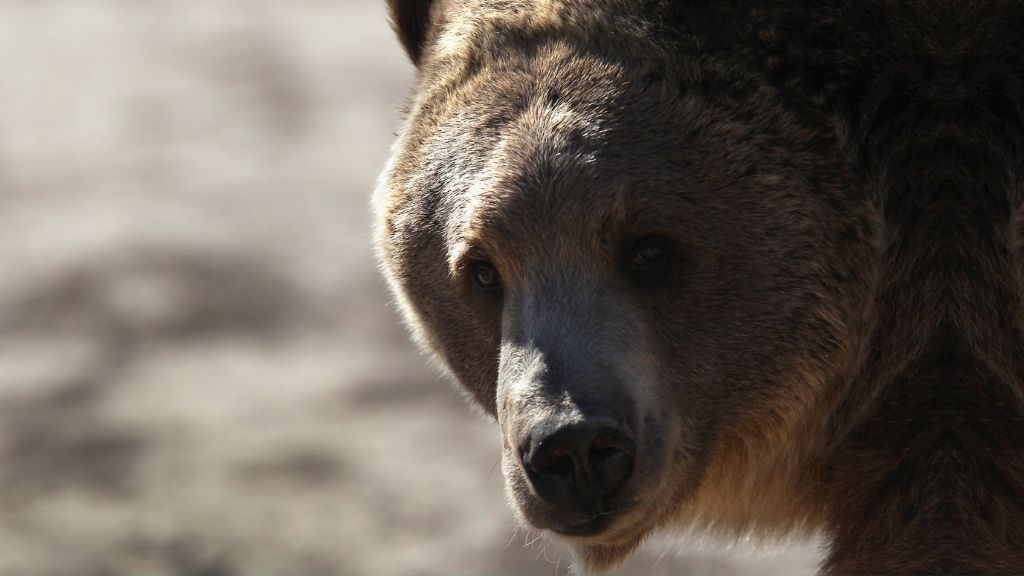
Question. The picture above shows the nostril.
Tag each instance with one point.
(557, 462)
(611, 460)
(605, 445)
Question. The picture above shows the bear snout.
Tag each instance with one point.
(578, 467)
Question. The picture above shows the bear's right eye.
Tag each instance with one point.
(486, 276)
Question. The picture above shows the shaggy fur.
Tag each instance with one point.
(837, 343)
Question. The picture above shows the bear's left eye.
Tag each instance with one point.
(648, 254)
(646, 262)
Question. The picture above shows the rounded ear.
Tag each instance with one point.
(410, 19)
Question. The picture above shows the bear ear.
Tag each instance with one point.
(410, 19)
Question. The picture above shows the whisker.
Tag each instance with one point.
(495, 466)
(515, 532)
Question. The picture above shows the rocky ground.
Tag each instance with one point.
(200, 371)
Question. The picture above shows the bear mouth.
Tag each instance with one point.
(596, 524)
(591, 527)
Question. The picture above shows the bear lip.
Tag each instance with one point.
(598, 523)
(590, 527)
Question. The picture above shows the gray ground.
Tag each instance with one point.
(200, 372)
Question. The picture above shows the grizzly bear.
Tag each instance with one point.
(756, 268)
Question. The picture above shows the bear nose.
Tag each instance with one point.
(576, 463)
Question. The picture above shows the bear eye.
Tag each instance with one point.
(648, 254)
(486, 276)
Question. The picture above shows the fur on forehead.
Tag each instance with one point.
(541, 177)
(467, 34)
(527, 119)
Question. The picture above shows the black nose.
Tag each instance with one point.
(580, 463)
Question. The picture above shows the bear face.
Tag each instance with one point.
(750, 268)
(657, 259)
(651, 272)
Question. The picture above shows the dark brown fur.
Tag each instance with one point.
(839, 345)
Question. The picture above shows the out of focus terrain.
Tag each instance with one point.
(200, 370)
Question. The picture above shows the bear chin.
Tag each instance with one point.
(603, 557)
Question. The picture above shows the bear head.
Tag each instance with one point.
(648, 266)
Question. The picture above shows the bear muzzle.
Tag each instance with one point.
(578, 466)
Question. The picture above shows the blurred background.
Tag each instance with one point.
(200, 370)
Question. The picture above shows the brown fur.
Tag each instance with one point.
(838, 342)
